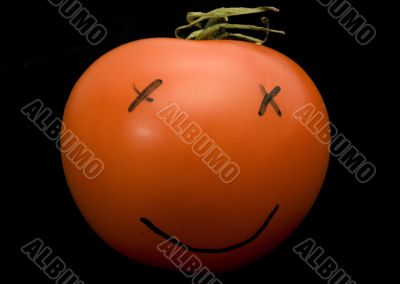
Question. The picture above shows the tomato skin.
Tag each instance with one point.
(150, 172)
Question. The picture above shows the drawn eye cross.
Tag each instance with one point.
(144, 95)
(269, 99)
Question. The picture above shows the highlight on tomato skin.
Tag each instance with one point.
(201, 150)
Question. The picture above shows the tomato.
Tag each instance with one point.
(198, 141)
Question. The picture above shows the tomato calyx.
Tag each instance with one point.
(215, 25)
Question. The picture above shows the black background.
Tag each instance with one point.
(42, 56)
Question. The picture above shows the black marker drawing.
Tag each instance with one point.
(269, 99)
(144, 95)
(164, 235)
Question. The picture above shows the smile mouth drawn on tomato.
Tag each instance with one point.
(166, 236)
(269, 99)
(144, 95)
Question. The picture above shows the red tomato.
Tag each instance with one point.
(197, 155)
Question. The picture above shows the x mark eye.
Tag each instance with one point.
(144, 95)
(269, 99)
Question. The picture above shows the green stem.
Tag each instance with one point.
(214, 25)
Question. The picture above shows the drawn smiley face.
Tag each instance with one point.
(267, 99)
(205, 158)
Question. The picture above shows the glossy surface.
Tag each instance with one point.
(151, 170)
